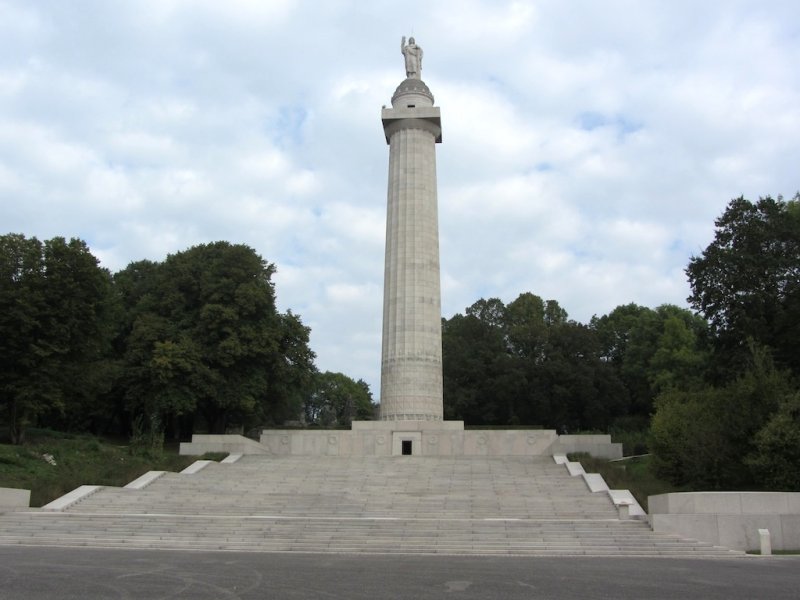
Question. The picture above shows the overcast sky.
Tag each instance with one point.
(588, 145)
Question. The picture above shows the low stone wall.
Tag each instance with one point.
(427, 438)
(387, 438)
(730, 519)
(598, 445)
(233, 444)
(14, 498)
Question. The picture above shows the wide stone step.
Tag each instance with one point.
(411, 505)
(353, 536)
(358, 546)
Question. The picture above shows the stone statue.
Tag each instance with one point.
(413, 55)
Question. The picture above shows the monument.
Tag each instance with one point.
(411, 414)
(411, 354)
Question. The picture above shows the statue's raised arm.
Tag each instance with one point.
(413, 56)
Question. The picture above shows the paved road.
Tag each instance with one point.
(37, 573)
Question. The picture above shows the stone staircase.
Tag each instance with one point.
(411, 505)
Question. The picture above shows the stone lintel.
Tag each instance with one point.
(424, 117)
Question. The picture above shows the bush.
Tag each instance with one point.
(700, 438)
(776, 460)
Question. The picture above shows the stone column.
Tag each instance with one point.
(411, 361)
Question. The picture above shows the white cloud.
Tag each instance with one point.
(587, 148)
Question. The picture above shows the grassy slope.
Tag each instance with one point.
(633, 474)
(80, 459)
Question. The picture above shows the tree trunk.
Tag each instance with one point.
(16, 430)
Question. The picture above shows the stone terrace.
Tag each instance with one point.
(454, 505)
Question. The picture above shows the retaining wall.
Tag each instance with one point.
(730, 519)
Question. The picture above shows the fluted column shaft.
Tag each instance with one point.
(411, 366)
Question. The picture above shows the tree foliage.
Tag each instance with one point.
(156, 346)
(739, 429)
(703, 438)
(776, 457)
(526, 363)
(747, 281)
(652, 350)
(204, 337)
(337, 400)
(54, 305)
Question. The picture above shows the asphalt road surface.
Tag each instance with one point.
(36, 573)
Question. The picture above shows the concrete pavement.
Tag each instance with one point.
(29, 573)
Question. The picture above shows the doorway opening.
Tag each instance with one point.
(406, 447)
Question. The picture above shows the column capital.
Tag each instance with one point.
(424, 117)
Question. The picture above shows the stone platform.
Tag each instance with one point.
(406, 504)
(416, 438)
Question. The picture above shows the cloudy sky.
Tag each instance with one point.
(588, 146)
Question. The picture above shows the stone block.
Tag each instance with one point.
(764, 503)
(790, 532)
(595, 482)
(741, 531)
(196, 467)
(70, 498)
(792, 503)
(142, 482)
(598, 445)
(231, 443)
(456, 443)
(697, 527)
(575, 468)
(625, 498)
(475, 443)
(729, 503)
(14, 498)
(658, 504)
(766, 543)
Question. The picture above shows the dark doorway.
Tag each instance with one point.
(406, 447)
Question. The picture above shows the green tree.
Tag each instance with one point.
(54, 306)
(700, 437)
(205, 338)
(292, 372)
(337, 400)
(474, 355)
(585, 392)
(652, 350)
(679, 360)
(614, 331)
(526, 363)
(775, 461)
(747, 281)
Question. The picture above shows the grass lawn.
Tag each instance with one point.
(633, 474)
(79, 459)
